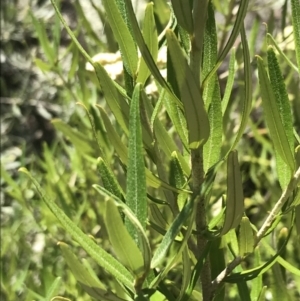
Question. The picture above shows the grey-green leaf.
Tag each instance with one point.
(195, 113)
(172, 232)
(235, 197)
(136, 179)
(124, 246)
(284, 109)
(105, 260)
(123, 36)
(296, 27)
(183, 12)
(88, 282)
(246, 238)
(272, 115)
(150, 37)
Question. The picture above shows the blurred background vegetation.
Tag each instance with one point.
(42, 128)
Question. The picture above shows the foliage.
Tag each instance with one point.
(186, 191)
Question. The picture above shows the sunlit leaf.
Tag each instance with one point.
(272, 115)
(123, 36)
(104, 259)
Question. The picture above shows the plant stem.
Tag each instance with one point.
(201, 223)
(199, 18)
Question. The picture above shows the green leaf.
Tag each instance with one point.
(80, 141)
(183, 12)
(196, 272)
(284, 108)
(296, 27)
(124, 246)
(257, 283)
(246, 238)
(248, 89)
(146, 53)
(272, 115)
(211, 94)
(88, 282)
(177, 117)
(121, 150)
(145, 246)
(261, 269)
(177, 178)
(195, 114)
(105, 260)
(150, 37)
(161, 251)
(243, 291)
(43, 39)
(53, 289)
(278, 48)
(123, 36)
(109, 181)
(114, 95)
(230, 81)
(237, 27)
(262, 295)
(136, 180)
(292, 269)
(235, 198)
(186, 272)
(42, 65)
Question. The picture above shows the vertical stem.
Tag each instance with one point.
(201, 223)
(199, 18)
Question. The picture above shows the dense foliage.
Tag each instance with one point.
(159, 150)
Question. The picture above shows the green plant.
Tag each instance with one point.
(163, 199)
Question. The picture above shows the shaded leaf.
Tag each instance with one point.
(235, 198)
(195, 114)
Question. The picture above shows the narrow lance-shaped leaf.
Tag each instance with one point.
(278, 48)
(136, 180)
(257, 283)
(145, 246)
(177, 179)
(146, 53)
(123, 36)
(123, 245)
(112, 92)
(105, 260)
(246, 238)
(230, 81)
(296, 27)
(150, 36)
(272, 115)
(183, 13)
(196, 116)
(53, 289)
(90, 284)
(211, 94)
(235, 31)
(121, 150)
(284, 109)
(108, 179)
(248, 89)
(235, 198)
(172, 232)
